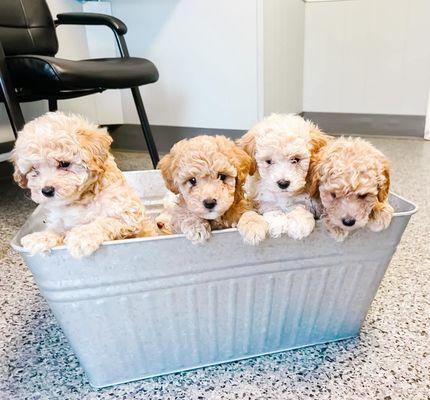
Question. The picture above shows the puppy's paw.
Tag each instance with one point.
(278, 226)
(41, 242)
(197, 233)
(337, 233)
(253, 228)
(83, 241)
(381, 219)
(300, 224)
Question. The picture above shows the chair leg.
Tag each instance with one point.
(153, 153)
(53, 105)
(7, 93)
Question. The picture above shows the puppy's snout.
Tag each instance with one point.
(348, 221)
(48, 191)
(209, 203)
(283, 184)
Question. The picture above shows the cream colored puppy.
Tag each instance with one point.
(207, 173)
(352, 178)
(65, 162)
(283, 147)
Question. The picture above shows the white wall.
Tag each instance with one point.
(73, 46)
(367, 56)
(283, 32)
(206, 53)
(102, 43)
(224, 64)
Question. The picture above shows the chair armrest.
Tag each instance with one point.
(92, 19)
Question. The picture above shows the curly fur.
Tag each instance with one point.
(218, 169)
(92, 201)
(352, 179)
(283, 147)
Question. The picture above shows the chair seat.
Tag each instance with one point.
(52, 74)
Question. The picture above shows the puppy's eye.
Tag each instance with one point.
(333, 195)
(270, 162)
(193, 181)
(295, 160)
(222, 177)
(362, 196)
(63, 164)
(34, 172)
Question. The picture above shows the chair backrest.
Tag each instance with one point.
(26, 27)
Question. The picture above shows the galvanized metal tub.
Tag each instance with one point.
(145, 307)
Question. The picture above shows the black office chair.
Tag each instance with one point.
(29, 70)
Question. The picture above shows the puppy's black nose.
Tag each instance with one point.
(283, 184)
(48, 191)
(209, 203)
(348, 221)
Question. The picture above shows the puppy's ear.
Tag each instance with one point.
(165, 165)
(243, 163)
(96, 143)
(313, 179)
(384, 186)
(247, 143)
(18, 176)
(382, 211)
(317, 142)
(314, 174)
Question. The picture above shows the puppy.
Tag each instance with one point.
(164, 219)
(208, 173)
(283, 147)
(352, 178)
(65, 162)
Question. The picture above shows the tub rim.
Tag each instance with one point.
(20, 249)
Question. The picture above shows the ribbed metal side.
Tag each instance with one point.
(150, 333)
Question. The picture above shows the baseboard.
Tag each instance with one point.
(369, 124)
(130, 137)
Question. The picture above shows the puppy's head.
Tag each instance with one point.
(353, 178)
(282, 147)
(58, 157)
(209, 172)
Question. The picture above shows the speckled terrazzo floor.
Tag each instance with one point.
(391, 359)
